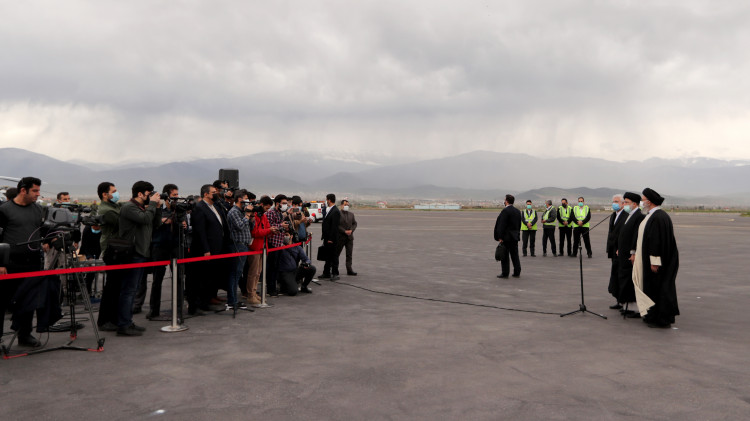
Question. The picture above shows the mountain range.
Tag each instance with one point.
(479, 175)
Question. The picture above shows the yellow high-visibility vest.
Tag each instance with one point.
(581, 213)
(527, 218)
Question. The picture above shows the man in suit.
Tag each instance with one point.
(330, 239)
(626, 243)
(210, 230)
(508, 232)
(616, 221)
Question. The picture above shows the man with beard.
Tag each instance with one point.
(626, 244)
(656, 264)
(615, 224)
(565, 226)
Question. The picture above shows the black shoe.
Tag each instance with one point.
(335, 278)
(516, 275)
(590, 255)
(524, 255)
(617, 306)
(633, 315)
(213, 308)
(129, 331)
(29, 340)
(351, 273)
(152, 315)
(196, 312)
(533, 255)
(138, 328)
(561, 254)
(324, 276)
(108, 327)
(502, 276)
(545, 254)
(306, 290)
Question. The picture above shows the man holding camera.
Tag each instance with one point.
(260, 231)
(294, 266)
(20, 220)
(239, 231)
(138, 217)
(276, 219)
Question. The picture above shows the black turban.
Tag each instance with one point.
(653, 196)
(634, 197)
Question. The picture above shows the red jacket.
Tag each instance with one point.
(260, 231)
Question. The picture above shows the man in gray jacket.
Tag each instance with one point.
(138, 217)
(347, 226)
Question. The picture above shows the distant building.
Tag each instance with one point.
(442, 206)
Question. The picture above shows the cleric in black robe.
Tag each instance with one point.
(659, 262)
(626, 242)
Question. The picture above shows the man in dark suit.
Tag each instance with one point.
(210, 230)
(330, 238)
(616, 221)
(508, 232)
(626, 243)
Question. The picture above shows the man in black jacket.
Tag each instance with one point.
(616, 221)
(626, 243)
(330, 238)
(508, 232)
(210, 230)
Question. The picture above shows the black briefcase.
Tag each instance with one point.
(322, 253)
(501, 252)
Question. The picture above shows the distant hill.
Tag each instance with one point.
(475, 176)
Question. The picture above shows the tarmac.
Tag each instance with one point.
(345, 353)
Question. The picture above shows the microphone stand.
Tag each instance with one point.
(582, 307)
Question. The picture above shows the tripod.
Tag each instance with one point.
(582, 307)
(71, 281)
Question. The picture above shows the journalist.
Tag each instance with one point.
(294, 267)
(239, 231)
(276, 219)
(138, 217)
(260, 232)
(109, 212)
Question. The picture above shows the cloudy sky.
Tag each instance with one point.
(138, 80)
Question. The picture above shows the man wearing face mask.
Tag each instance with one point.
(260, 231)
(529, 228)
(565, 226)
(330, 238)
(581, 217)
(347, 226)
(549, 217)
(276, 220)
(616, 221)
(210, 231)
(655, 265)
(626, 243)
(138, 218)
(109, 211)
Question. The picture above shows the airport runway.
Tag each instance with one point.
(344, 353)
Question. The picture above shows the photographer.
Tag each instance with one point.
(290, 270)
(227, 195)
(21, 220)
(109, 212)
(261, 230)
(138, 217)
(164, 246)
(239, 230)
(300, 219)
(276, 219)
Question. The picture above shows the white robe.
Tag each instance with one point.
(642, 300)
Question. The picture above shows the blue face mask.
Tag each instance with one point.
(615, 207)
(627, 209)
(96, 231)
(115, 196)
(580, 204)
(528, 206)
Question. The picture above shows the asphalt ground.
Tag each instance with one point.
(344, 353)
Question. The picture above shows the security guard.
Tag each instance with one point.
(565, 224)
(528, 227)
(581, 218)
(548, 220)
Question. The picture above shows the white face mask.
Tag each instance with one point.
(284, 208)
(346, 208)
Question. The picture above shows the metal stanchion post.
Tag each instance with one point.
(263, 303)
(175, 326)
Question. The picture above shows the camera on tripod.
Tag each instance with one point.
(181, 205)
(66, 220)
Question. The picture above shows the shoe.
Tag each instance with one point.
(335, 278)
(254, 301)
(590, 255)
(616, 306)
(137, 310)
(29, 340)
(516, 275)
(633, 315)
(324, 276)
(138, 328)
(196, 312)
(151, 315)
(214, 307)
(502, 276)
(545, 254)
(108, 327)
(561, 254)
(129, 331)
(533, 255)
(306, 290)
(351, 273)
(524, 255)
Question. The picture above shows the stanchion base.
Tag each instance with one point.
(261, 305)
(170, 329)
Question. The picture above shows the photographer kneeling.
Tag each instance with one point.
(291, 271)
